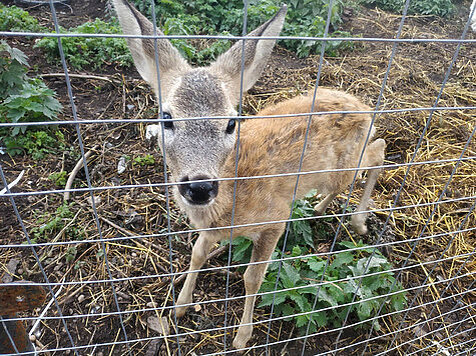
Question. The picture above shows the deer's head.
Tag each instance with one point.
(196, 149)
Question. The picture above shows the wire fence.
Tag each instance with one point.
(117, 293)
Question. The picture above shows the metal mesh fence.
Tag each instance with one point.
(112, 278)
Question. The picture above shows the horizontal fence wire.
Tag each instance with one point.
(257, 117)
(447, 292)
(276, 318)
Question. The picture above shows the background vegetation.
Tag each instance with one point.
(417, 7)
(25, 99)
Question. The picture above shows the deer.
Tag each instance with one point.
(202, 153)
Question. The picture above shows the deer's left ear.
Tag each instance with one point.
(257, 52)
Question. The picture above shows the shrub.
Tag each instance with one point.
(420, 7)
(24, 99)
(304, 18)
(13, 18)
(90, 52)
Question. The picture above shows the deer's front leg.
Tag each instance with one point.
(199, 256)
(263, 247)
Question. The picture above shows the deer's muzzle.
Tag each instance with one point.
(198, 193)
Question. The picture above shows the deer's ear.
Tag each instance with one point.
(257, 53)
(171, 63)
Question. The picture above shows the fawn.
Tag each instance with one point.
(198, 151)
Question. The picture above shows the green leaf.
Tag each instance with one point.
(327, 297)
(365, 308)
(316, 265)
(320, 318)
(342, 258)
(302, 320)
(267, 299)
(241, 249)
(372, 262)
(289, 275)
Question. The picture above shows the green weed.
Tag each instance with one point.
(304, 18)
(51, 225)
(23, 99)
(146, 160)
(12, 18)
(59, 178)
(89, 52)
(304, 273)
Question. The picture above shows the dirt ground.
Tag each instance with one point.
(414, 81)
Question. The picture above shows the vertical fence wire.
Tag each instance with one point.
(445, 80)
(447, 75)
(164, 159)
(301, 160)
(37, 258)
(86, 170)
(380, 236)
(235, 173)
(9, 336)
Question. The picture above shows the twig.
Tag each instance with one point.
(12, 184)
(75, 171)
(72, 75)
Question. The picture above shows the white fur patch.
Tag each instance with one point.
(152, 131)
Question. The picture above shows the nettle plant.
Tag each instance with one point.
(25, 99)
(211, 17)
(299, 278)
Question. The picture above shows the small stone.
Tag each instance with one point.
(160, 325)
(197, 307)
(81, 298)
(151, 305)
(97, 200)
(133, 254)
(121, 165)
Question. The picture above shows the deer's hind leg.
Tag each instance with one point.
(263, 247)
(374, 156)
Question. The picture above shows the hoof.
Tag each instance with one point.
(358, 225)
(179, 311)
(242, 338)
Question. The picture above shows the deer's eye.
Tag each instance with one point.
(231, 126)
(167, 120)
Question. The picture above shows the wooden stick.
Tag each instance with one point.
(72, 75)
(75, 171)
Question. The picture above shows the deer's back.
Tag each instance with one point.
(275, 145)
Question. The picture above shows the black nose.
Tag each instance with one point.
(198, 192)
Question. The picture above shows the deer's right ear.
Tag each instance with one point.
(171, 63)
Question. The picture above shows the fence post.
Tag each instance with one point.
(14, 299)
